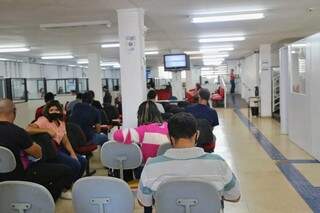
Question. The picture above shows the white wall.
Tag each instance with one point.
(249, 75)
(304, 109)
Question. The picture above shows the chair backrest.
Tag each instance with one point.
(25, 197)
(163, 148)
(120, 156)
(7, 160)
(102, 195)
(75, 134)
(187, 195)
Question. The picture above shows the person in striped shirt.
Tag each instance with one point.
(150, 133)
(186, 160)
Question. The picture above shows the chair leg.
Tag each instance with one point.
(88, 172)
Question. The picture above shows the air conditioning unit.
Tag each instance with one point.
(104, 23)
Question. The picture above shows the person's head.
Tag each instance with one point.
(152, 95)
(92, 93)
(87, 97)
(204, 96)
(7, 110)
(198, 86)
(182, 129)
(232, 71)
(148, 113)
(48, 97)
(53, 111)
(79, 96)
(148, 85)
(96, 104)
(73, 92)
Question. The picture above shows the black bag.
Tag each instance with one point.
(49, 149)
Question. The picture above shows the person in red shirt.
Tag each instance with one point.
(47, 99)
(232, 81)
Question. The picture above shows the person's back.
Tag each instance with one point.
(72, 104)
(202, 110)
(185, 160)
(86, 117)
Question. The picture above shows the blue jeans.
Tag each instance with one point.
(99, 138)
(77, 166)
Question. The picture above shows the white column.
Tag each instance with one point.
(265, 80)
(193, 77)
(95, 75)
(176, 83)
(284, 89)
(132, 62)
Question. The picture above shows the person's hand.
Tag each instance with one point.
(52, 133)
(74, 156)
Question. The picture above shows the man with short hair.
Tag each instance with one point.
(55, 177)
(152, 97)
(186, 160)
(71, 105)
(202, 110)
(89, 119)
(48, 97)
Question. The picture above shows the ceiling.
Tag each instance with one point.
(168, 23)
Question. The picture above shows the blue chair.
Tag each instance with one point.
(21, 196)
(187, 195)
(102, 195)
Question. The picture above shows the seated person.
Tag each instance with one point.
(71, 105)
(152, 97)
(202, 110)
(186, 160)
(88, 118)
(47, 98)
(52, 123)
(150, 133)
(55, 177)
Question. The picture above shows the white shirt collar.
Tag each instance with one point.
(184, 153)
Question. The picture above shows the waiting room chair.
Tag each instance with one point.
(121, 156)
(21, 196)
(7, 160)
(163, 148)
(80, 144)
(102, 195)
(187, 195)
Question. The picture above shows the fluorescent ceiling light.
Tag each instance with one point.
(229, 11)
(57, 57)
(212, 63)
(206, 69)
(208, 51)
(4, 59)
(75, 24)
(82, 61)
(72, 65)
(109, 64)
(208, 40)
(16, 49)
(110, 45)
(208, 57)
(224, 18)
(116, 66)
(299, 45)
(151, 52)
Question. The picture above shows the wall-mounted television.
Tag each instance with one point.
(176, 62)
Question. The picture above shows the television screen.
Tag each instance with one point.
(176, 62)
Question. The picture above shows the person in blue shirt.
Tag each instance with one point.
(88, 118)
(202, 110)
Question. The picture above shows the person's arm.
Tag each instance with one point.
(231, 190)
(34, 150)
(34, 129)
(144, 193)
(67, 145)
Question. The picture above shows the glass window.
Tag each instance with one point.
(18, 89)
(83, 85)
(61, 89)
(52, 86)
(70, 85)
(2, 93)
(298, 67)
(35, 88)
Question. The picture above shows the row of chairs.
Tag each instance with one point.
(107, 194)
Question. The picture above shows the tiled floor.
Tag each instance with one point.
(264, 187)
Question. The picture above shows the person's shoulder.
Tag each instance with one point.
(212, 156)
(16, 129)
(156, 160)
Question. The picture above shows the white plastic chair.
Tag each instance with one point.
(102, 195)
(187, 195)
(121, 156)
(21, 196)
(163, 148)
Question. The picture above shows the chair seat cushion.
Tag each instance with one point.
(217, 97)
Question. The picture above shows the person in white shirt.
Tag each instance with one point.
(186, 160)
(152, 97)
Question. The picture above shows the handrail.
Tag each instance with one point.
(223, 83)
